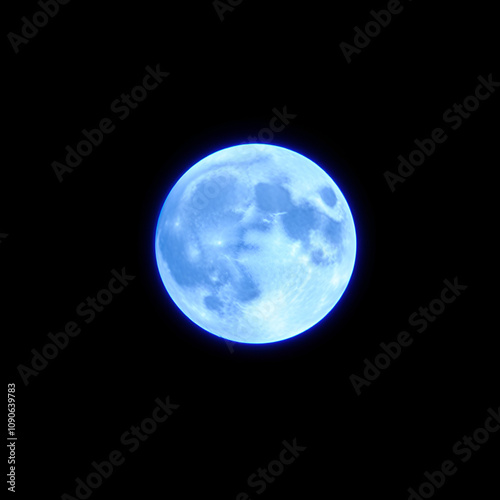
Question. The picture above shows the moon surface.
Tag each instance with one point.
(255, 243)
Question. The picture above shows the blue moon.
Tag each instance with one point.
(255, 243)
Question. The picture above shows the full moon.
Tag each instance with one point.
(255, 243)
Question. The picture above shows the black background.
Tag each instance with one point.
(239, 402)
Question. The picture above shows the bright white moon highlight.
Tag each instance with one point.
(255, 243)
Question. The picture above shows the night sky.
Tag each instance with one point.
(116, 391)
